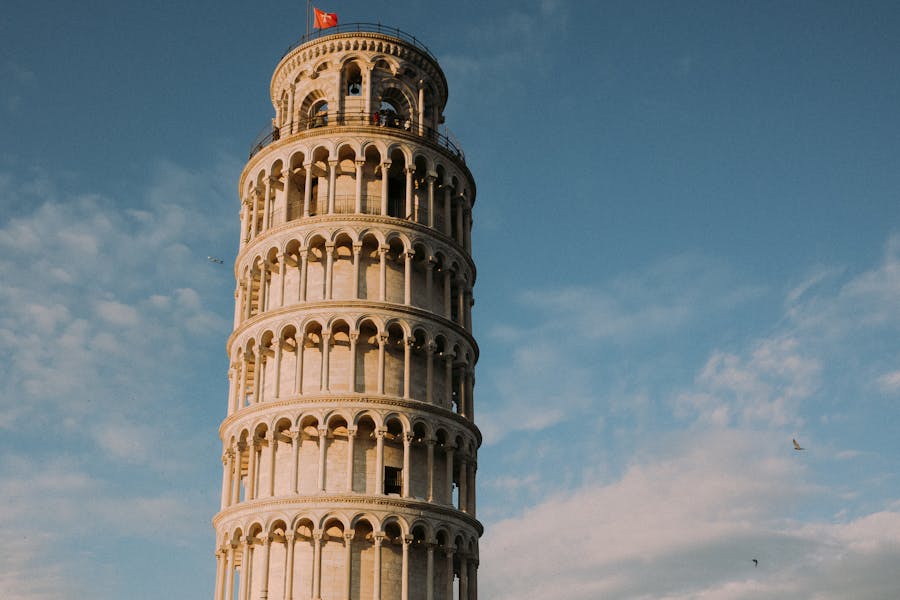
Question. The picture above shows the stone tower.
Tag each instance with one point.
(349, 442)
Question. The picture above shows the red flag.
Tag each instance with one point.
(324, 20)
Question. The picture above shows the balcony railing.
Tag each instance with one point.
(377, 120)
(362, 27)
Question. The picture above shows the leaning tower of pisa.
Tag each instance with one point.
(349, 443)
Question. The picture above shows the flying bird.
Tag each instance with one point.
(213, 259)
(755, 562)
(797, 446)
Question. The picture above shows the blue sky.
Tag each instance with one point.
(687, 231)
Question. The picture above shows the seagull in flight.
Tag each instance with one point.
(755, 562)
(213, 259)
(797, 446)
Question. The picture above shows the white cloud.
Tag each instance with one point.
(890, 382)
(686, 525)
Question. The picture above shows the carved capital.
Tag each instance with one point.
(378, 537)
(408, 438)
(348, 536)
(351, 431)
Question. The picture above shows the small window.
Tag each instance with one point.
(393, 480)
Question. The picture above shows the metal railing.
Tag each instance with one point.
(381, 119)
(358, 28)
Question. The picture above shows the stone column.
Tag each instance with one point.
(429, 570)
(348, 558)
(248, 294)
(464, 484)
(407, 365)
(421, 107)
(273, 447)
(404, 568)
(429, 445)
(307, 189)
(385, 168)
(299, 339)
(296, 440)
(357, 252)
(382, 257)
(409, 191)
(447, 284)
(288, 566)
(323, 441)
(430, 179)
(278, 350)
(448, 552)
(282, 277)
(379, 460)
(473, 467)
(467, 228)
(266, 204)
(254, 198)
(429, 371)
(329, 270)
(227, 470)
(332, 172)
(407, 473)
(257, 374)
(290, 115)
(463, 577)
(376, 579)
(407, 276)
(236, 476)
(251, 469)
(220, 573)
(352, 383)
(351, 439)
(317, 565)
(228, 592)
(448, 375)
(382, 340)
(304, 264)
(359, 181)
(429, 283)
(448, 452)
(459, 219)
(326, 351)
(264, 586)
(244, 588)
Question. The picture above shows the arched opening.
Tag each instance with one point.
(312, 359)
(367, 358)
(333, 558)
(364, 456)
(336, 453)
(315, 269)
(362, 561)
(295, 187)
(342, 268)
(345, 182)
(318, 203)
(371, 202)
(339, 357)
(418, 366)
(369, 268)
(396, 203)
(308, 475)
(418, 460)
(394, 360)
(393, 458)
(395, 272)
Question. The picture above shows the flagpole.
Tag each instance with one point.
(307, 18)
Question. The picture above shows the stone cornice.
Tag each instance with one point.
(367, 42)
(332, 132)
(366, 401)
(393, 223)
(333, 307)
(335, 502)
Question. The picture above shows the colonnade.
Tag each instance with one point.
(259, 371)
(245, 459)
(449, 573)
(265, 276)
(265, 203)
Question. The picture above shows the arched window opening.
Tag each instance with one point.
(318, 116)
